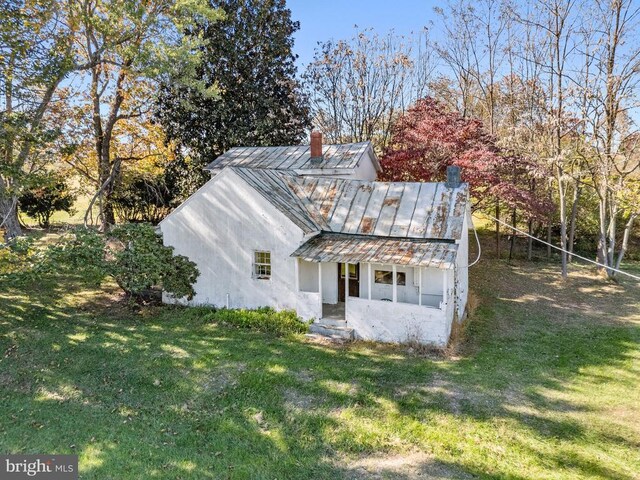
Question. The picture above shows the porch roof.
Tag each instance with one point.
(329, 247)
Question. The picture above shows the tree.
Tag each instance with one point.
(129, 47)
(612, 94)
(35, 56)
(428, 138)
(143, 197)
(358, 87)
(46, 195)
(248, 57)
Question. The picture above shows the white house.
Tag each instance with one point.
(311, 230)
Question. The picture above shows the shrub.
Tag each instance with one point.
(142, 198)
(132, 254)
(48, 194)
(17, 255)
(264, 319)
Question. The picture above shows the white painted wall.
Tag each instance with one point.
(308, 275)
(397, 322)
(365, 170)
(462, 272)
(330, 283)
(219, 228)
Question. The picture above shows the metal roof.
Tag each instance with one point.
(296, 158)
(388, 209)
(329, 247)
(280, 190)
(381, 209)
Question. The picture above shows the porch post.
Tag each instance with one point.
(297, 273)
(395, 284)
(320, 286)
(444, 287)
(420, 286)
(369, 279)
(346, 282)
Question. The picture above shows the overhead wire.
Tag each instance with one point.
(617, 270)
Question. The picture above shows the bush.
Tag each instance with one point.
(142, 198)
(264, 319)
(132, 254)
(17, 255)
(47, 194)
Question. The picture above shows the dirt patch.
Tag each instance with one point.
(296, 400)
(225, 376)
(443, 391)
(304, 375)
(405, 466)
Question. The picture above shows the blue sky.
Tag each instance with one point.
(322, 20)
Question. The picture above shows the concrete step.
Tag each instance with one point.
(333, 332)
(332, 322)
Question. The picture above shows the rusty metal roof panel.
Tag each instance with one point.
(393, 209)
(329, 247)
(346, 156)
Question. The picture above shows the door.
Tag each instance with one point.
(354, 280)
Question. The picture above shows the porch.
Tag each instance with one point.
(332, 291)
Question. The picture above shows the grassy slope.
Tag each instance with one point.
(545, 387)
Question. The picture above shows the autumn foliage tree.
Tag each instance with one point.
(428, 138)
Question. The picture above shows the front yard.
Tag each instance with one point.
(546, 386)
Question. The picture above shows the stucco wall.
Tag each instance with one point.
(330, 283)
(308, 276)
(397, 322)
(365, 170)
(219, 228)
(462, 272)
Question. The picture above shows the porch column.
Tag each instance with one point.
(420, 286)
(320, 286)
(297, 273)
(395, 283)
(346, 282)
(369, 279)
(444, 287)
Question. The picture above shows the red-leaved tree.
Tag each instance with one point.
(428, 138)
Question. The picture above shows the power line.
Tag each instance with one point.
(563, 250)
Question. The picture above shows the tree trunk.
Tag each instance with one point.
(563, 221)
(625, 240)
(497, 229)
(601, 255)
(573, 220)
(549, 240)
(9, 216)
(513, 234)
(530, 241)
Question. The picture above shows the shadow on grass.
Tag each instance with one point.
(162, 394)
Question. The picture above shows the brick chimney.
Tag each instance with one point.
(316, 145)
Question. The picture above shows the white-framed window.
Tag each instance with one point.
(262, 265)
(385, 277)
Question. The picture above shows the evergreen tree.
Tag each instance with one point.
(248, 55)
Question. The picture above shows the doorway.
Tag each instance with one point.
(354, 281)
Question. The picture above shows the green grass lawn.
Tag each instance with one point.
(546, 386)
